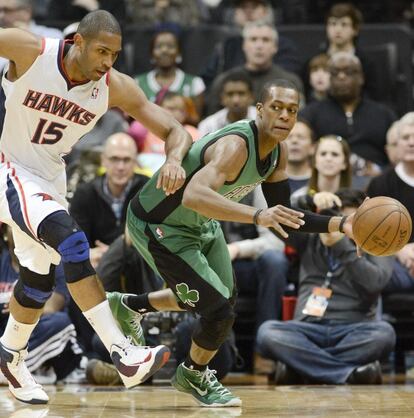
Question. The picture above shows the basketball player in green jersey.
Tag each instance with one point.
(180, 238)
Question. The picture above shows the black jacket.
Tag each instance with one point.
(92, 211)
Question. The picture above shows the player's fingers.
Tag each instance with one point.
(290, 211)
(160, 179)
(279, 230)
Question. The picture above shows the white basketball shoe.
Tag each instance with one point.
(136, 364)
(21, 383)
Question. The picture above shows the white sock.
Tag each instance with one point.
(102, 321)
(16, 335)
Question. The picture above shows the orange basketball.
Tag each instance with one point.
(381, 226)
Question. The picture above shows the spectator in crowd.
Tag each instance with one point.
(75, 10)
(245, 11)
(300, 150)
(347, 113)
(319, 78)
(153, 12)
(99, 207)
(331, 170)
(229, 53)
(166, 75)
(398, 182)
(343, 24)
(53, 350)
(391, 146)
(334, 337)
(260, 44)
(236, 98)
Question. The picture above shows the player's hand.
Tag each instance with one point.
(171, 177)
(326, 200)
(273, 217)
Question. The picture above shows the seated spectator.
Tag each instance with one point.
(347, 113)
(153, 12)
(391, 146)
(319, 78)
(99, 207)
(236, 98)
(245, 11)
(167, 76)
(53, 350)
(334, 337)
(398, 182)
(229, 53)
(331, 170)
(260, 44)
(343, 24)
(300, 150)
(71, 11)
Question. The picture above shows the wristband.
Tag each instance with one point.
(341, 224)
(256, 215)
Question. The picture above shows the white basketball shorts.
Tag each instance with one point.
(25, 200)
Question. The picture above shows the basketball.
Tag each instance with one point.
(381, 226)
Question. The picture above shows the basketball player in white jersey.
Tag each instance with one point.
(55, 93)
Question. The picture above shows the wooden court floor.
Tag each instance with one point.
(258, 401)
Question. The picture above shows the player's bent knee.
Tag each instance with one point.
(214, 328)
(62, 233)
(32, 290)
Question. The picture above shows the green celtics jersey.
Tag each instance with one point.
(153, 206)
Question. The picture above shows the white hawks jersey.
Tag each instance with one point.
(47, 113)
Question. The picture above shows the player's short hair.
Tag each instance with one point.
(98, 21)
(278, 82)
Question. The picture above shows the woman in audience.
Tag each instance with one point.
(167, 76)
(331, 171)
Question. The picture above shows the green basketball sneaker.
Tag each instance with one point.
(204, 386)
(128, 320)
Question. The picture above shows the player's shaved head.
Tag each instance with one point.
(98, 21)
(267, 89)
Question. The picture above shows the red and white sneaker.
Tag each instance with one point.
(21, 383)
(135, 364)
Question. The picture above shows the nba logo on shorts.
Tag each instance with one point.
(159, 232)
(95, 92)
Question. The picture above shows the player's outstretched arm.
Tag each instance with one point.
(125, 94)
(277, 194)
(224, 160)
(21, 48)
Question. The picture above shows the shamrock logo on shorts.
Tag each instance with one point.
(190, 297)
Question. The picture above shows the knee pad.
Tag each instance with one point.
(32, 290)
(212, 331)
(62, 233)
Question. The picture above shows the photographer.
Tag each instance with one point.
(334, 337)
